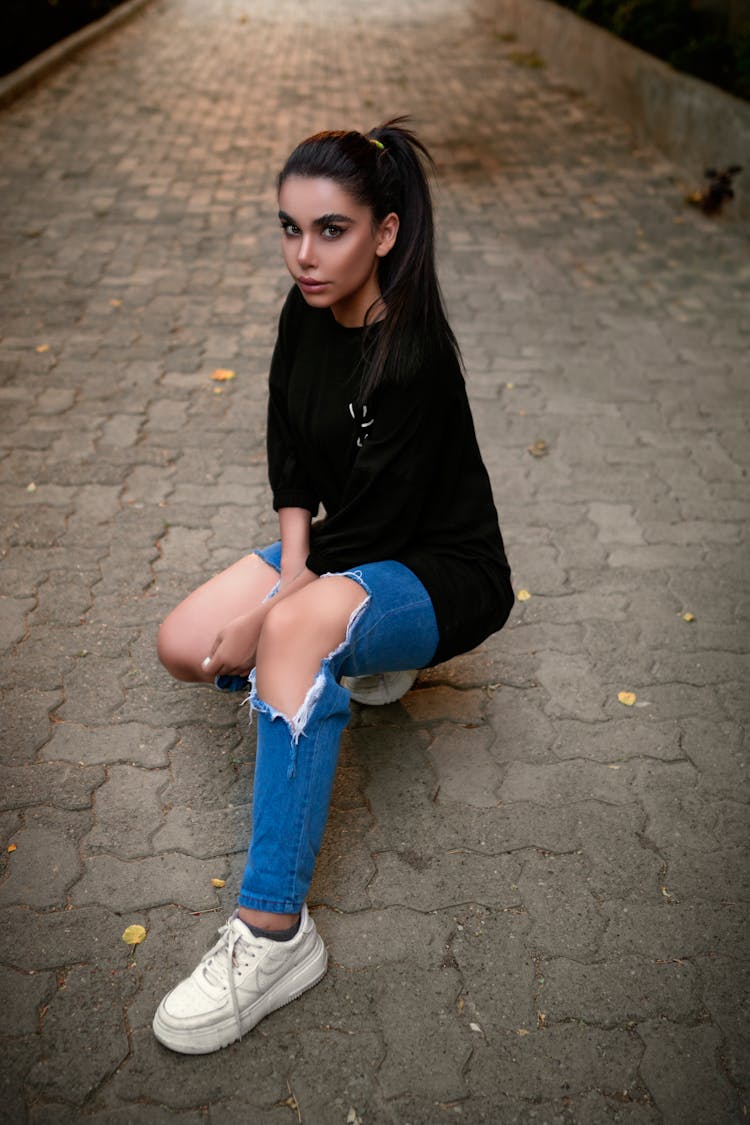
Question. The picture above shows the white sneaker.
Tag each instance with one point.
(385, 687)
(237, 983)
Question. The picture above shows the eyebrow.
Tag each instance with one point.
(323, 221)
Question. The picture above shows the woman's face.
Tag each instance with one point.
(331, 246)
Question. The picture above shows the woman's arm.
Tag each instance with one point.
(234, 649)
(294, 527)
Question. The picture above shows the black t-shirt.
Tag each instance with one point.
(400, 477)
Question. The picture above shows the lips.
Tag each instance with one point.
(310, 285)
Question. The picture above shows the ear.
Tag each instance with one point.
(386, 236)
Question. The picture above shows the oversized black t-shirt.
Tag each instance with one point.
(400, 477)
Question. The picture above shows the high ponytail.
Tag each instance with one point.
(385, 170)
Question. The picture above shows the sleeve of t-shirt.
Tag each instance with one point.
(290, 484)
(392, 476)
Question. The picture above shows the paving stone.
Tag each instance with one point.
(33, 941)
(681, 1088)
(135, 743)
(464, 768)
(46, 862)
(426, 881)
(565, 915)
(141, 883)
(618, 991)
(375, 937)
(23, 996)
(127, 812)
(88, 1007)
(68, 787)
(19, 1055)
(26, 726)
(204, 834)
(724, 989)
(560, 1062)
(667, 930)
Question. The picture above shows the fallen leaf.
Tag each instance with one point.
(627, 697)
(223, 375)
(532, 59)
(667, 894)
(42, 348)
(541, 1019)
(134, 935)
(510, 386)
(31, 487)
(352, 1117)
(218, 882)
(475, 1027)
(115, 302)
(218, 390)
(539, 449)
(523, 1031)
(612, 767)
(688, 617)
(12, 847)
(523, 595)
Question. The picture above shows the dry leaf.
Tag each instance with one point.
(42, 348)
(523, 595)
(115, 302)
(218, 390)
(688, 617)
(627, 697)
(12, 847)
(667, 894)
(223, 375)
(31, 487)
(352, 1117)
(539, 449)
(510, 386)
(134, 935)
(475, 1027)
(523, 1031)
(218, 882)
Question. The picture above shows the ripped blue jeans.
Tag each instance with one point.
(296, 758)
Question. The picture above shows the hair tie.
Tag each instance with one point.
(378, 144)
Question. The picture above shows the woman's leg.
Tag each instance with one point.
(187, 634)
(377, 617)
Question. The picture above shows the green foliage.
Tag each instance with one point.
(693, 40)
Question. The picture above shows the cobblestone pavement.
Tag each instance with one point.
(532, 893)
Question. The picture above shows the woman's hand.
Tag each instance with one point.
(233, 651)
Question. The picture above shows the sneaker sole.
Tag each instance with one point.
(202, 1041)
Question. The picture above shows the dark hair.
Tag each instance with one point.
(384, 170)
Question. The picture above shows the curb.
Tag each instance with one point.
(18, 81)
(693, 123)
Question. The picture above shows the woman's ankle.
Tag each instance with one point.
(265, 920)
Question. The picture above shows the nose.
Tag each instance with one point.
(306, 252)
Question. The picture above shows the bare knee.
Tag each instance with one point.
(174, 653)
(297, 634)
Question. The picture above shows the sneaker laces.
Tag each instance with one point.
(219, 963)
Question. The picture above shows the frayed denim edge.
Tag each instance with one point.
(299, 721)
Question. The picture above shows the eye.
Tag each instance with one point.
(332, 230)
(289, 228)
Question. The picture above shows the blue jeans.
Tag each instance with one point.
(393, 629)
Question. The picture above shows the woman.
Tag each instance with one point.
(367, 416)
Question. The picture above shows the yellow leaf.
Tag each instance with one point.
(539, 449)
(12, 847)
(510, 386)
(42, 348)
(134, 935)
(218, 882)
(523, 1031)
(115, 302)
(218, 390)
(523, 595)
(31, 487)
(223, 374)
(688, 617)
(627, 697)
